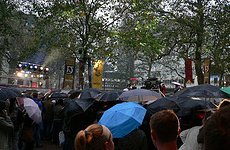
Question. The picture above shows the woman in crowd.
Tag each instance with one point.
(94, 137)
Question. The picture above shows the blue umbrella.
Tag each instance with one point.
(123, 118)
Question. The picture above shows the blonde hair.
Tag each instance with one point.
(92, 138)
(223, 103)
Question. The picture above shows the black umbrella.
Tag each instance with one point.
(9, 93)
(162, 104)
(203, 90)
(74, 94)
(85, 104)
(17, 91)
(3, 95)
(188, 105)
(58, 95)
(78, 115)
(108, 96)
(89, 93)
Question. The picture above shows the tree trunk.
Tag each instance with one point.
(90, 72)
(149, 70)
(221, 79)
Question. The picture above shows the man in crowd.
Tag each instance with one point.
(217, 130)
(165, 129)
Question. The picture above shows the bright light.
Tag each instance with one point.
(36, 67)
(32, 75)
(41, 68)
(20, 65)
(26, 75)
(20, 74)
(31, 67)
(47, 69)
(41, 75)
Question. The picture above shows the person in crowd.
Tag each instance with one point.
(6, 129)
(192, 138)
(223, 103)
(94, 137)
(57, 121)
(47, 117)
(37, 127)
(17, 118)
(165, 128)
(217, 131)
(163, 88)
(136, 140)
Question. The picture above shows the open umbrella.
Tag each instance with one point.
(78, 114)
(140, 95)
(183, 106)
(85, 104)
(89, 93)
(7, 93)
(123, 118)
(32, 110)
(56, 95)
(163, 104)
(226, 90)
(3, 95)
(203, 90)
(108, 96)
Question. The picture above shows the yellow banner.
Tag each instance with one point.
(97, 74)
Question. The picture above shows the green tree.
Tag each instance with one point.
(81, 27)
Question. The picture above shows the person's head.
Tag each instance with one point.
(35, 95)
(94, 137)
(223, 103)
(165, 127)
(217, 130)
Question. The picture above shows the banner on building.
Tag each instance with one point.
(97, 74)
(188, 71)
(207, 64)
(69, 73)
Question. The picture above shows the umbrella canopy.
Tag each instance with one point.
(123, 118)
(85, 104)
(188, 105)
(89, 93)
(7, 93)
(139, 95)
(3, 95)
(203, 90)
(183, 106)
(226, 90)
(56, 95)
(163, 104)
(108, 96)
(32, 110)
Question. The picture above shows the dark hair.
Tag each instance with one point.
(35, 95)
(166, 125)
(217, 130)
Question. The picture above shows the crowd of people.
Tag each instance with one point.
(161, 131)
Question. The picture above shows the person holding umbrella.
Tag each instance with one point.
(94, 137)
